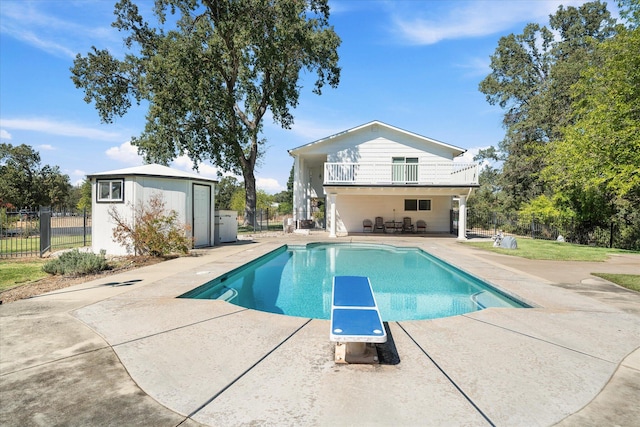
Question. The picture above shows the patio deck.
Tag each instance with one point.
(123, 350)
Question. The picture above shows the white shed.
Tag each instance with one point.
(189, 194)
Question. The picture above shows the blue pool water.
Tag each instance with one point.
(408, 283)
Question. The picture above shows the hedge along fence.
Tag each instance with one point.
(615, 235)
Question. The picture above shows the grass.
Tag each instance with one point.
(551, 250)
(17, 272)
(629, 281)
(557, 251)
(20, 245)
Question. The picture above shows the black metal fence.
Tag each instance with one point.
(26, 233)
(489, 225)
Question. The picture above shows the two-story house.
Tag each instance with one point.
(377, 170)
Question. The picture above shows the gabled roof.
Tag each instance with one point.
(152, 170)
(328, 139)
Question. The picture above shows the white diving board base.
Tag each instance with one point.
(356, 325)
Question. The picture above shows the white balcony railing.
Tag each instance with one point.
(449, 173)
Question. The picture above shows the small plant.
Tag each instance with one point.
(76, 263)
(154, 231)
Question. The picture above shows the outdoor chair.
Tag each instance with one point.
(389, 227)
(407, 227)
(367, 226)
(421, 226)
(379, 225)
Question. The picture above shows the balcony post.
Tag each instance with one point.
(332, 214)
(462, 219)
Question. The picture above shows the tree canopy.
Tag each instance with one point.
(210, 71)
(572, 142)
(24, 183)
(531, 76)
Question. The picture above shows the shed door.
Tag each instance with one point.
(201, 215)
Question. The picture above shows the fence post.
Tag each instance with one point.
(533, 226)
(267, 219)
(611, 236)
(84, 226)
(45, 229)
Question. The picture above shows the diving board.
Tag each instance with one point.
(356, 324)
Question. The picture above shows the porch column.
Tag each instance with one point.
(296, 189)
(462, 219)
(332, 214)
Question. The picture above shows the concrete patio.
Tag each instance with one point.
(124, 351)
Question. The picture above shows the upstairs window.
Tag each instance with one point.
(110, 190)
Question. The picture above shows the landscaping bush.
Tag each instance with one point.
(154, 230)
(76, 263)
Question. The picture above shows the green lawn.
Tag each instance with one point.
(19, 245)
(551, 250)
(629, 281)
(17, 272)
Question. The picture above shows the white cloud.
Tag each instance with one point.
(125, 153)
(77, 177)
(269, 185)
(477, 66)
(46, 147)
(468, 156)
(59, 128)
(470, 19)
(4, 134)
(205, 169)
(32, 24)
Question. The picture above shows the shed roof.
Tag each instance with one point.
(327, 140)
(152, 170)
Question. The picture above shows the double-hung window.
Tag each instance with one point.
(405, 170)
(110, 190)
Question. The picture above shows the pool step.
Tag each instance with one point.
(228, 294)
(484, 299)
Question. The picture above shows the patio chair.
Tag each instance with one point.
(421, 226)
(367, 225)
(390, 226)
(406, 225)
(379, 225)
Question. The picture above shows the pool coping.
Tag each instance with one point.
(511, 367)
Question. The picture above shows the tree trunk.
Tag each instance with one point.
(250, 197)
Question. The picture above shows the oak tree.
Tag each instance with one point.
(210, 71)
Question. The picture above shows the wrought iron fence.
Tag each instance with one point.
(28, 232)
(489, 225)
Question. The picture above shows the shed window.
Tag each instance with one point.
(111, 190)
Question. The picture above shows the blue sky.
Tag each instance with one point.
(415, 65)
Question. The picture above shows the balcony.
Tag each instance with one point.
(447, 174)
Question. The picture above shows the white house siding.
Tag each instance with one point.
(352, 209)
(176, 194)
(103, 224)
(375, 147)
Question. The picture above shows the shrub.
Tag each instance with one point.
(76, 263)
(154, 230)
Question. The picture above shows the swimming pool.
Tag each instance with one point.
(408, 283)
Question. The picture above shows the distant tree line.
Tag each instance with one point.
(26, 184)
(570, 92)
(231, 196)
